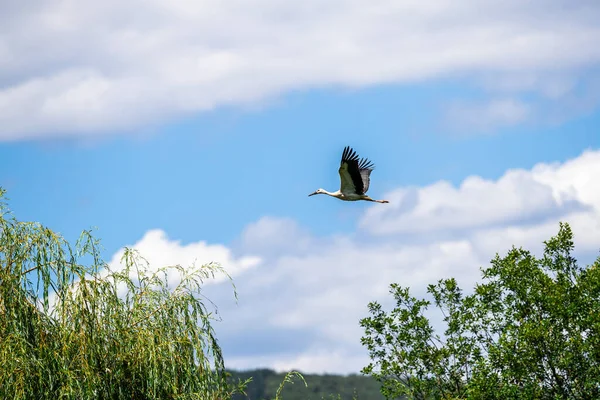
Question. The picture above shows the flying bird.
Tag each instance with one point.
(355, 178)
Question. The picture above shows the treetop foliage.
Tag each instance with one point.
(78, 331)
(531, 329)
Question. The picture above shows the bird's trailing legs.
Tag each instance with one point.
(376, 201)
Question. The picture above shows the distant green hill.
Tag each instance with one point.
(265, 383)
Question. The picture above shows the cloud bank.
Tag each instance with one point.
(88, 68)
(301, 296)
(158, 250)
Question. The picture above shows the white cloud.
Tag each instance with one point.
(160, 251)
(532, 98)
(274, 236)
(553, 85)
(301, 297)
(488, 115)
(519, 196)
(84, 68)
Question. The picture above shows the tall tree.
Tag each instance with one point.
(531, 329)
(80, 331)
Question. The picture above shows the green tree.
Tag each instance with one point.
(74, 331)
(531, 329)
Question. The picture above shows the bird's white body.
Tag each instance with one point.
(346, 196)
(354, 177)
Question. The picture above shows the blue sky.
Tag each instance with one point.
(214, 156)
(256, 163)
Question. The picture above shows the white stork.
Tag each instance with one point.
(355, 178)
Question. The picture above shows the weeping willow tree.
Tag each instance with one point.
(78, 330)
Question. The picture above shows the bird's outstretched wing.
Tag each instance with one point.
(365, 167)
(354, 173)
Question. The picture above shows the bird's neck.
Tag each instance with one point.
(337, 193)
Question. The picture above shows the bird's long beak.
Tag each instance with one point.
(312, 194)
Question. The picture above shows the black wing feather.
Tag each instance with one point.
(358, 168)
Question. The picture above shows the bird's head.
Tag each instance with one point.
(318, 191)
